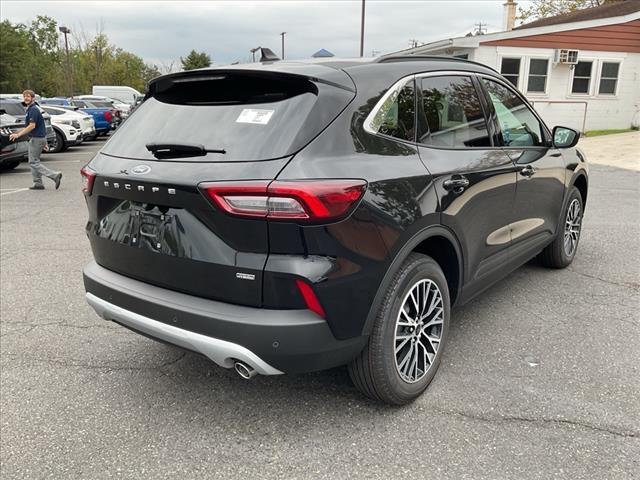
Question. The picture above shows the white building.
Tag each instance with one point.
(580, 69)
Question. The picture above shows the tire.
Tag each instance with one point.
(561, 252)
(379, 371)
(58, 146)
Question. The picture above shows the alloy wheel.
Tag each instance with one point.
(572, 227)
(418, 330)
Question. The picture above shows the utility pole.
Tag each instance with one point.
(66, 31)
(480, 28)
(282, 35)
(362, 31)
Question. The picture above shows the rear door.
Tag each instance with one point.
(148, 217)
(540, 167)
(474, 179)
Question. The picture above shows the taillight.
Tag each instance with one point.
(107, 116)
(307, 201)
(310, 298)
(88, 176)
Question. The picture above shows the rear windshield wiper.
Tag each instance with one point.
(180, 150)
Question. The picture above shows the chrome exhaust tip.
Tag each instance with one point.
(245, 371)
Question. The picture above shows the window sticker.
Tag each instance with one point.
(256, 116)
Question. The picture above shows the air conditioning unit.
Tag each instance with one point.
(566, 56)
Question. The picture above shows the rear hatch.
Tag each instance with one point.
(147, 217)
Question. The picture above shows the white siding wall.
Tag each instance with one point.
(603, 111)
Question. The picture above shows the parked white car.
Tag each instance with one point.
(68, 127)
(67, 116)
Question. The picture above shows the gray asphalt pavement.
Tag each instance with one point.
(540, 379)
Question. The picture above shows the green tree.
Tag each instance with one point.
(551, 8)
(32, 56)
(15, 48)
(195, 60)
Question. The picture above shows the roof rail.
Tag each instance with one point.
(421, 58)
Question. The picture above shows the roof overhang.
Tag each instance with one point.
(475, 41)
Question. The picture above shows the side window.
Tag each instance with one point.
(519, 126)
(396, 116)
(453, 113)
(582, 77)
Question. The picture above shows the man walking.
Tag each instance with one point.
(36, 131)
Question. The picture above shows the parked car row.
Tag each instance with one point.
(65, 128)
(105, 116)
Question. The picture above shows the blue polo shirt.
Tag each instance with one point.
(35, 116)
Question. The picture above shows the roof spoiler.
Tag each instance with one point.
(267, 55)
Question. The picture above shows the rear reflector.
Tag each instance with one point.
(307, 201)
(88, 176)
(310, 298)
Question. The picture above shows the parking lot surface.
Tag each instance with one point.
(540, 379)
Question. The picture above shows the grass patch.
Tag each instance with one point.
(597, 133)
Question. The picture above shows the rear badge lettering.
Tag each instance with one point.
(139, 188)
(255, 116)
(245, 276)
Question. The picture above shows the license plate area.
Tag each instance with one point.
(141, 225)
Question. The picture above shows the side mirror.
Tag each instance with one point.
(564, 137)
(2, 111)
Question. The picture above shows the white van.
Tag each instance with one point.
(123, 94)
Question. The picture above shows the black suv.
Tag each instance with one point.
(296, 216)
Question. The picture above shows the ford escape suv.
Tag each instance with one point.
(295, 216)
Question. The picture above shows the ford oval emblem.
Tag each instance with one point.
(141, 169)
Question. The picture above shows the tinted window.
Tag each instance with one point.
(101, 104)
(396, 116)
(518, 124)
(453, 113)
(581, 77)
(537, 75)
(253, 117)
(511, 70)
(12, 108)
(609, 78)
(52, 111)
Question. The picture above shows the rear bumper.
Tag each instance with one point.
(271, 341)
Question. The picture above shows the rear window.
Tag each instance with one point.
(12, 108)
(101, 104)
(250, 117)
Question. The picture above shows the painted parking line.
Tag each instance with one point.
(14, 190)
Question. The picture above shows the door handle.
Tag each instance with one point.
(528, 171)
(456, 184)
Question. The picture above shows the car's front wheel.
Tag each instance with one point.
(58, 143)
(409, 334)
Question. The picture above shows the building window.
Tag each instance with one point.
(510, 69)
(609, 78)
(582, 77)
(538, 69)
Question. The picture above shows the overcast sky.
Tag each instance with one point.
(161, 32)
